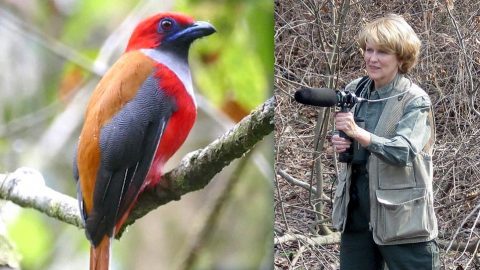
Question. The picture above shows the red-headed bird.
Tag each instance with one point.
(138, 116)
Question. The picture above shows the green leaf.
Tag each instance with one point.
(32, 237)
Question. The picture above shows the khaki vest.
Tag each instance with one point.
(401, 198)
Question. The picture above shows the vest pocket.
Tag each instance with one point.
(395, 177)
(339, 206)
(403, 214)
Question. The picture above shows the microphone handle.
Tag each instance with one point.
(346, 156)
(343, 135)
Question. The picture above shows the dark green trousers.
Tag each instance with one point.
(358, 251)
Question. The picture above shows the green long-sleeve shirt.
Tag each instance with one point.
(412, 132)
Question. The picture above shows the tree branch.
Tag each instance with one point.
(26, 187)
(332, 238)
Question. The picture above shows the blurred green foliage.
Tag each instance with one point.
(239, 58)
(32, 238)
(91, 18)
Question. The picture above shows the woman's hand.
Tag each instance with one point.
(340, 144)
(344, 121)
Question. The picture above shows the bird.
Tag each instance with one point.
(137, 117)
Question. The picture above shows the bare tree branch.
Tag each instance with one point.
(332, 238)
(470, 246)
(26, 187)
(296, 182)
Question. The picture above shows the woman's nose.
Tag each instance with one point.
(373, 57)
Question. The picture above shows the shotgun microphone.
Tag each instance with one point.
(325, 97)
(321, 97)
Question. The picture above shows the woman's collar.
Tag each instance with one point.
(386, 90)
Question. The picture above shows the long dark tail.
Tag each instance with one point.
(100, 255)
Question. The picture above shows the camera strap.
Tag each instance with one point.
(360, 154)
(359, 89)
(360, 85)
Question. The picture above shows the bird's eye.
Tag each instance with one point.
(166, 25)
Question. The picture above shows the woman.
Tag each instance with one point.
(384, 200)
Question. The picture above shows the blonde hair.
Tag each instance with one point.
(394, 35)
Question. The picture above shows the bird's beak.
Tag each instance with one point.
(197, 30)
(200, 29)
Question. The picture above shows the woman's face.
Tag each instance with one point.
(382, 67)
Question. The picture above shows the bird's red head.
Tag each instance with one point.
(165, 29)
